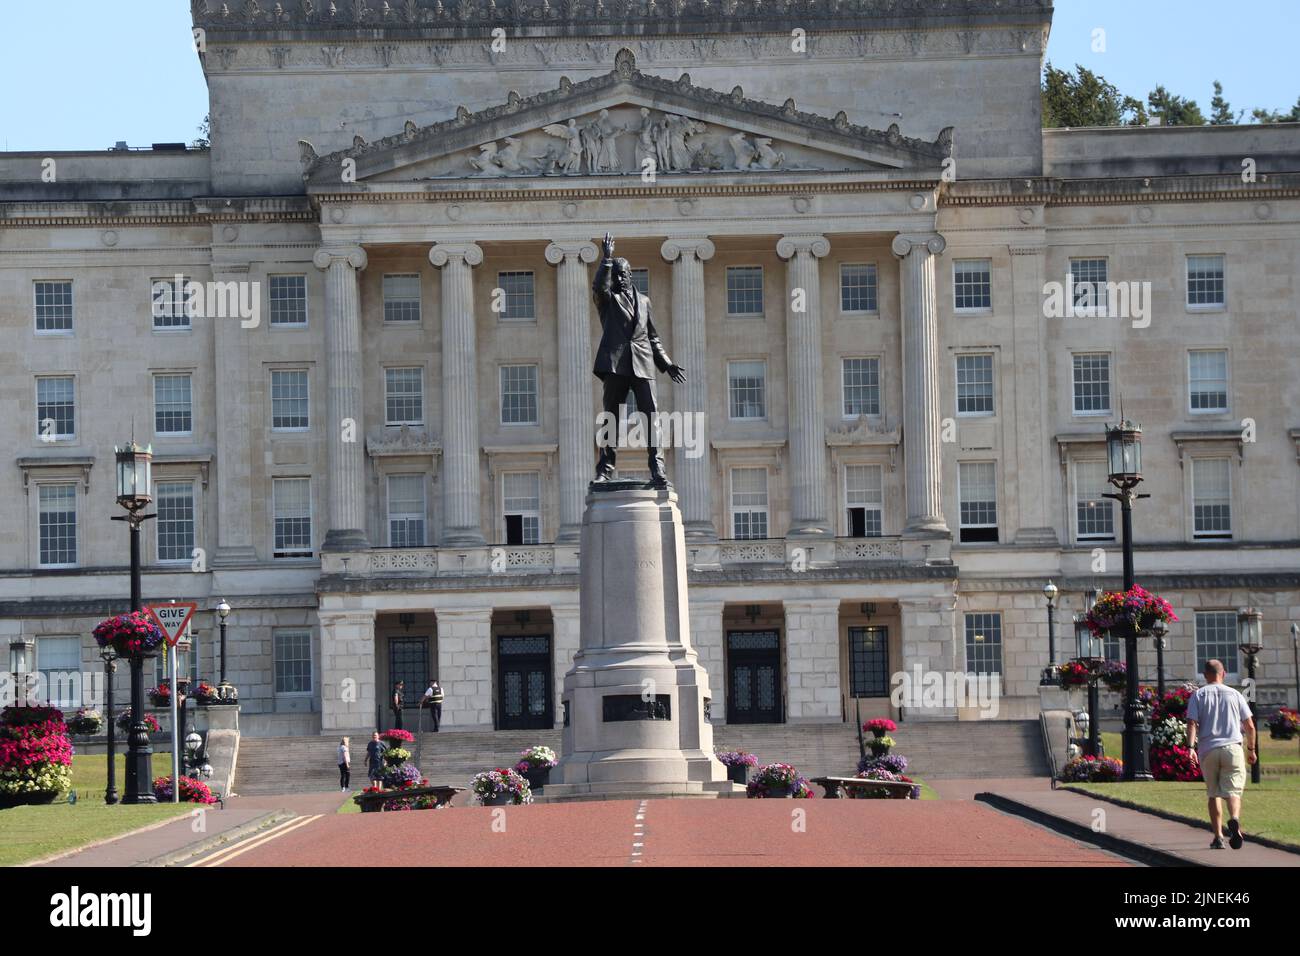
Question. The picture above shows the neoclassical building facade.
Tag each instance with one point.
(905, 310)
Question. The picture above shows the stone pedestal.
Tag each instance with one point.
(222, 726)
(634, 698)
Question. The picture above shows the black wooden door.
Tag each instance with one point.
(524, 682)
(408, 661)
(754, 691)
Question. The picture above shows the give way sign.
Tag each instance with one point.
(172, 618)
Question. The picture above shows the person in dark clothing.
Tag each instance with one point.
(628, 356)
(398, 701)
(375, 760)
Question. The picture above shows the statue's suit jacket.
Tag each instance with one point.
(629, 344)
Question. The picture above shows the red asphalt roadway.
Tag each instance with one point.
(678, 833)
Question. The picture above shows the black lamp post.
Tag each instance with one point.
(134, 493)
(1295, 650)
(1124, 454)
(1050, 591)
(1160, 629)
(1250, 632)
(109, 657)
(225, 690)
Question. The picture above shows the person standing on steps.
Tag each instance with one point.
(399, 691)
(375, 760)
(433, 700)
(1217, 717)
(345, 766)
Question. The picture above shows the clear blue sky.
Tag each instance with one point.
(83, 74)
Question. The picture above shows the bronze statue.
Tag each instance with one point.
(628, 355)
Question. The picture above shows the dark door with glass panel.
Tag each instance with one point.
(754, 677)
(869, 662)
(408, 661)
(524, 682)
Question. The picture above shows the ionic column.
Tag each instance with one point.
(347, 501)
(460, 447)
(577, 410)
(231, 349)
(688, 256)
(807, 428)
(921, 420)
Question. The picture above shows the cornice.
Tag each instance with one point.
(1049, 191)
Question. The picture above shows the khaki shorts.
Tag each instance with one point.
(1224, 770)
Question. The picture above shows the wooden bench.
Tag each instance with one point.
(833, 786)
(374, 802)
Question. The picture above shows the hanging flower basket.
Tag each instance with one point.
(130, 635)
(124, 721)
(1127, 612)
(86, 722)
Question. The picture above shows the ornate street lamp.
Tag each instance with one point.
(192, 744)
(1124, 455)
(1160, 630)
(109, 656)
(1250, 635)
(1050, 592)
(1295, 650)
(225, 690)
(134, 494)
(22, 661)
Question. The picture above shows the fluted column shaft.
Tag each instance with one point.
(233, 366)
(577, 409)
(460, 445)
(688, 256)
(807, 415)
(347, 502)
(921, 418)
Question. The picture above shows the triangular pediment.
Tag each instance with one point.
(624, 123)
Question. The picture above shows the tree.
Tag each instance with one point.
(205, 132)
(1273, 116)
(1222, 115)
(1174, 110)
(1084, 98)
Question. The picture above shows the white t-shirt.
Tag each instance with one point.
(1219, 712)
(344, 757)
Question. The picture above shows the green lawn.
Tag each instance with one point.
(1273, 753)
(29, 833)
(1270, 809)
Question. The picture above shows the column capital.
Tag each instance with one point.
(904, 243)
(678, 246)
(787, 247)
(355, 256)
(561, 249)
(442, 252)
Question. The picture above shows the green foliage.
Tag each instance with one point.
(1084, 98)
(1174, 110)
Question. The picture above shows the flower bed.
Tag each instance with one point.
(129, 634)
(884, 793)
(778, 780)
(35, 755)
(192, 791)
(1088, 769)
(893, 763)
(501, 786)
(1174, 763)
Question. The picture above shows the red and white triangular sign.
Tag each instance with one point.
(172, 618)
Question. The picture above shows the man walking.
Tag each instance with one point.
(1217, 716)
(375, 760)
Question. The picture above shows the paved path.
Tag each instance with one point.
(678, 833)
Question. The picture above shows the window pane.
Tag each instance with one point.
(57, 508)
(869, 661)
(1211, 498)
(172, 410)
(972, 284)
(404, 396)
(55, 407)
(984, 643)
(293, 517)
(53, 306)
(518, 299)
(169, 300)
(861, 386)
(288, 300)
(1089, 285)
(1205, 280)
(975, 384)
(744, 290)
(58, 659)
(292, 662)
(641, 280)
(1095, 515)
(978, 501)
(519, 394)
(864, 491)
(1091, 383)
(749, 502)
(521, 501)
(289, 399)
(1207, 381)
(175, 504)
(402, 298)
(1216, 639)
(858, 288)
(406, 509)
(747, 387)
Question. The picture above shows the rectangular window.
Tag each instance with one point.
(869, 661)
(1092, 384)
(172, 405)
(1216, 640)
(289, 400)
(58, 659)
(978, 500)
(53, 305)
(56, 407)
(1089, 286)
(57, 507)
(406, 510)
(288, 300)
(641, 280)
(975, 384)
(292, 502)
(1205, 287)
(984, 643)
(858, 287)
(1207, 380)
(1211, 498)
(174, 501)
(292, 661)
(865, 498)
(402, 298)
(403, 396)
(972, 285)
(861, 377)
(521, 498)
(169, 303)
(747, 390)
(744, 290)
(519, 395)
(1094, 515)
(749, 502)
(517, 301)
